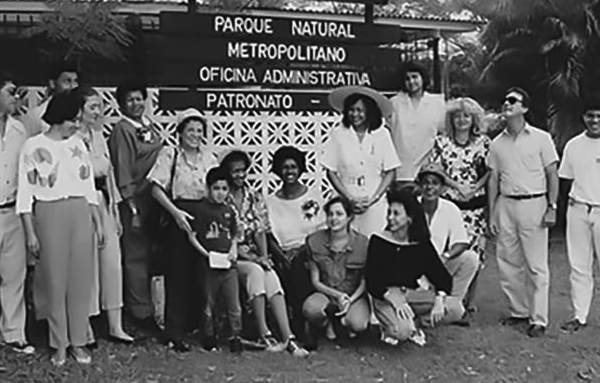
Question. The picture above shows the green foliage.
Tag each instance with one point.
(548, 47)
(80, 28)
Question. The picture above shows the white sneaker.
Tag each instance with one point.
(21, 348)
(418, 337)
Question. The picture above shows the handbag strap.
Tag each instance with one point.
(173, 170)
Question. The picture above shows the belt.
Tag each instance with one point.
(589, 206)
(8, 204)
(526, 196)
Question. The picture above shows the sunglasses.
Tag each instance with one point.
(512, 100)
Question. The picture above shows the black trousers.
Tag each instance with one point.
(182, 284)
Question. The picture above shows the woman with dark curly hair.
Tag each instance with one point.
(295, 211)
(397, 258)
(134, 145)
(359, 157)
(254, 266)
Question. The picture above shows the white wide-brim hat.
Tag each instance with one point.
(338, 95)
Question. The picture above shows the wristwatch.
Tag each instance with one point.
(552, 205)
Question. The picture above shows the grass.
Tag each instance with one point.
(485, 352)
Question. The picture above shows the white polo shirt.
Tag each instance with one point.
(447, 227)
(581, 163)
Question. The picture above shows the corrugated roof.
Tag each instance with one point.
(322, 7)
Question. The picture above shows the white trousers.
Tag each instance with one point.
(12, 277)
(583, 241)
(463, 269)
(522, 252)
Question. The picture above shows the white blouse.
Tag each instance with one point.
(51, 170)
(293, 220)
(360, 165)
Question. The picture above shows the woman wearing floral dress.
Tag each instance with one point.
(463, 152)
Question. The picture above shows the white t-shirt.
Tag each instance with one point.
(581, 163)
(447, 227)
(414, 129)
(51, 170)
(293, 220)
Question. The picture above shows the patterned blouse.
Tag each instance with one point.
(253, 217)
(189, 179)
(463, 164)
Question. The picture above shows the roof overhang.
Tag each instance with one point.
(150, 8)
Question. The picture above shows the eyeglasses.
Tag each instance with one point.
(511, 100)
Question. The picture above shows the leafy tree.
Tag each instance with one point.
(79, 28)
(547, 46)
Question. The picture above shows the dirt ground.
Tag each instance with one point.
(485, 352)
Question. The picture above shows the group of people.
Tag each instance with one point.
(401, 244)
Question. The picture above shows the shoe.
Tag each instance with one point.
(418, 338)
(385, 338)
(56, 362)
(210, 343)
(464, 321)
(514, 321)
(235, 345)
(81, 355)
(21, 347)
(92, 345)
(271, 344)
(119, 340)
(572, 326)
(178, 346)
(296, 350)
(536, 331)
(147, 324)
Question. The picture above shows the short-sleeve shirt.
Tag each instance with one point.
(463, 164)
(342, 270)
(414, 130)
(215, 224)
(253, 217)
(189, 178)
(447, 227)
(360, 165)
(581, 163)
(292, 220)
(51, 170)
(521, 161)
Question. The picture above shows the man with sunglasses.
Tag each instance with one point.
(580, 169)
(522, 194)
(12, 237)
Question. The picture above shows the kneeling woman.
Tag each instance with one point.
(59, 207)
(397, 258)
(337, 258)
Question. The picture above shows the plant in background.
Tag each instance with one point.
(83, 28)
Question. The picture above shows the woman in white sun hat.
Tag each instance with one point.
(178, 181)
(359, 157)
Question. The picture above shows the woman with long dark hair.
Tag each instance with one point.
(397, 258)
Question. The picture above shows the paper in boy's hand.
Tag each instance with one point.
(218, 260)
